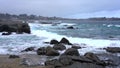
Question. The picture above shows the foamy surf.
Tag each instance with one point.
(89, 43)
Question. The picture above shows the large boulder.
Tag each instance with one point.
(65, 41)
(83, 65)
(65, 60)
(59, 47)
(41, 51)
(94, 58)
(71, 52)
(14, 26)
(51, 52)
(54, 41)
(23, 28)
(113, 49)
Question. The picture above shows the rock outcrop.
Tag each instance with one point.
(48, 51)
(59, 47)
(71, 52)
(113, 49)
(65, 41)
(14, 26)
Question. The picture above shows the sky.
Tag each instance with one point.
(63, 8)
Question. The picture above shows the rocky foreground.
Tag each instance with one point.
(51, 57)
(9, 26)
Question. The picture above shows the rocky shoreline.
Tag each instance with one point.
(10, 26)
(50, 57)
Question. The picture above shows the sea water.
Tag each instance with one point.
(91, 35)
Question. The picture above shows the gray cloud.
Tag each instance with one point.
(62, 8)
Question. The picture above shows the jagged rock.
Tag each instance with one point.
(41, 51)
(54, 41)
(113, 49)
(71, 52)
(65, 41)
(51, 52)
(14, 56)
(59, 47)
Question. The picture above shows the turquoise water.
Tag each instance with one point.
(94, 29)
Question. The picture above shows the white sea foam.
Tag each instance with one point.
(117, 25)
(16, 44)
(97, 43)
(66, 24)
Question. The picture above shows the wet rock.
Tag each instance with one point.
(65, 41)
(6, 33)
(70, 27)
(113, 49)
(76, 47)
(14, 56)
(28, 49)
(14, 26)
(59, 47)
(71, 52)
(54, 41)
(94, 58)
(51, 52)
(41, 51)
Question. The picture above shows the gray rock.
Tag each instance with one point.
(113, 49)
(41, 51)
(76, 47)
(94, 58)
(59, 47)
(65, 41)
(71, 52)
(51, 52)
(54, 41)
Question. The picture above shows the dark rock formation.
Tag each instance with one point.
(59, 47)
(72, 62)
(6, 33)
(71, 52)
(70, 27)
(54, 41)
(65, 41)
(76, 47)
(113, 49)
(51, 52)
(94, 58)
(41, 51)
(14, 56)
(14, 26)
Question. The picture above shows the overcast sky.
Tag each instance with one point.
(63, 8)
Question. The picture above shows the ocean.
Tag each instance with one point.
(92, 35)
